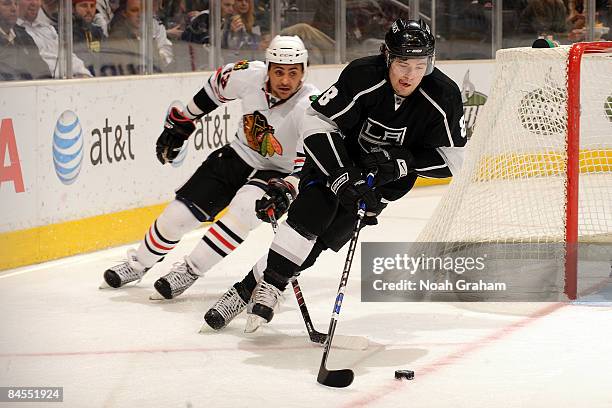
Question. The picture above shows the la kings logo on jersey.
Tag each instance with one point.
(376, 134)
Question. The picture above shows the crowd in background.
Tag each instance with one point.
(464, 29)
(108, 34)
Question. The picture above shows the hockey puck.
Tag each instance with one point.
(404, 374)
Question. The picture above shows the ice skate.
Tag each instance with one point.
(264, 302)
(175, 282)
(129, 271)
(230, 305)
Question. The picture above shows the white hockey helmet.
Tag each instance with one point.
(287, 49)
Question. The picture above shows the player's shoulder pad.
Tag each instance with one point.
(245, 74)
(440, 87)
(364, 73)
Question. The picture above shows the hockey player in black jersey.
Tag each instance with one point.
(394, 113)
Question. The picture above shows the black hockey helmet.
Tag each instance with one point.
(410, 39)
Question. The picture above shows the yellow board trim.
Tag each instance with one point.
(512, 166)
(426, 182)
(40, 244)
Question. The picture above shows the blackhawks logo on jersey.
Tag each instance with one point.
(260, 135)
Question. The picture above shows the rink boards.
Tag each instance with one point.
(79, 171)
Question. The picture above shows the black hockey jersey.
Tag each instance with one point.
(364, 110)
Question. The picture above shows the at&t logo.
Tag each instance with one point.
(67, 147)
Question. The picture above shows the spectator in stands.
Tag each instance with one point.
(105, 11)
(197, 30)
(160, 37)
(173, 15)
(365, 19)
(544, 17)
(125, 37)
(262, 16)
(19, 56)
(87, 38)
(194, 7)
(241, 31)
(46, 38)
(323, 18)
(577, 19)
(178, 15)
(48, 12)
(320, 46)
(227, 10)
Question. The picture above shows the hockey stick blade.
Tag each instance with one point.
(317, 337)
(336, 378)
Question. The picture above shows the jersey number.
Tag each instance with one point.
(328, 96)
(224, 78)
(462, 126)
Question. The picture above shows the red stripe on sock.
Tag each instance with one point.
(156, 244)
(221, 239)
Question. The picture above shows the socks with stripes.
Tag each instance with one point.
(163, 235)
(219, 241)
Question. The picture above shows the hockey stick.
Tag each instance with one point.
(347, 342)
(343, 377)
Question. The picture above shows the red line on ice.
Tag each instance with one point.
(450, 359)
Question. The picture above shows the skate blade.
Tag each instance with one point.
(104, 285)
(156, 296)
(205, 329)
(253, 323)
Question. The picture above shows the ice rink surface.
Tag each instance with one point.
(116, 348)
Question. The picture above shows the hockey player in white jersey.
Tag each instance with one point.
(267, 148)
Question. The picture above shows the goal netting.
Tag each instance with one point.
(538, 167)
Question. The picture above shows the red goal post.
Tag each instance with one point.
(574, 63)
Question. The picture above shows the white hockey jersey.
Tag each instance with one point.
(268, 135)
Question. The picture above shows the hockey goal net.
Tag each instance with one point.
(538, 168)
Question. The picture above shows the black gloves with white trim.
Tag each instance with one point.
(391, 163)
(349, 185)
(177, 129)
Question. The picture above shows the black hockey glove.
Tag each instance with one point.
(177, 129)
(350, 186)
(373, 212)
(279, 196)
(391, 164)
